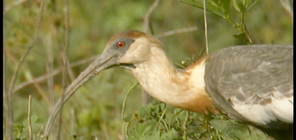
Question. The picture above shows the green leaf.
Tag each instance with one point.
(219, 124)
(235, 134)
(74, 137)
(242, 6)
(218, 7)
(169, 135)
(34, 118)
(225, 5)
(238, 6)
(248, 4)
(144, 111)
(155, 136)
(127, 118)
(28, 75)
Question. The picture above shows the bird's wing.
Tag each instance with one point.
(253, 83)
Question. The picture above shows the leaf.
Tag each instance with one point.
(225, 5)
(235, 134)
(238, 6)
(169, 135)
(242, 6)
(219, 124)
(144, 111)
(240, 36)
(28, 75)
(248, 4)
(34, 118)
(155, 136)
(218, 7)
(127, 118)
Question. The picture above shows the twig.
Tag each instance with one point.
(55, 72)
(15, 4)
(245, 30)
(184, 126)
(123, 108)
(65, 67)
(148, 15)
(15, 74)
(70, 72)
(73, 121)
(39, 132)
(175, 115)
(125, 98)
(126, 129)
(162, 120)
(49, 69)
(206, 26)
(177, 31)
(287, 6)
(29, 116)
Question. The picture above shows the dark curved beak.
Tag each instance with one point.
(105, 60)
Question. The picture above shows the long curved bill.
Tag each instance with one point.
(104, 61)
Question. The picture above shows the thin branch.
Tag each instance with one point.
(206, 26)
(177, 31)
(184, 126)
(287, 6)
(29, 117)
(125, 98)
(148, 15)
(53, 73)
(49, 70)
(65, 67)
(163, 121)
(126, 129)
(73, 121)
(15, 75)
(40, 131)
(70, 72)
(123, 108)
(15, 4)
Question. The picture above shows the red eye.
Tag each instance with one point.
(120, 44)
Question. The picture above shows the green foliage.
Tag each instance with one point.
(224, 9)
(21, 129)
(218, 7)
(160, 122)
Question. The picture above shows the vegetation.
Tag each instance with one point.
(40, 36)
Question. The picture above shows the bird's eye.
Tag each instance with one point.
(120, 44)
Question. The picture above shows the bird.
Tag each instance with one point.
(248, 83)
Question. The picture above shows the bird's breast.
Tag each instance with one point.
(200, 101)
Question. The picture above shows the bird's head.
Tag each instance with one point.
(126, 49)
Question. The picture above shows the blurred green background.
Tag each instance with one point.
(95, 109)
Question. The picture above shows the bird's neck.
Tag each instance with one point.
(180, 88)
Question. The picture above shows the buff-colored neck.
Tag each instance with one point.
(180, 88)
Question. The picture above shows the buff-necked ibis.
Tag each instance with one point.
(252, 83)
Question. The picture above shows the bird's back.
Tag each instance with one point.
(253, 83)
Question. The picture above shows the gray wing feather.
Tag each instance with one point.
(251, 74)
